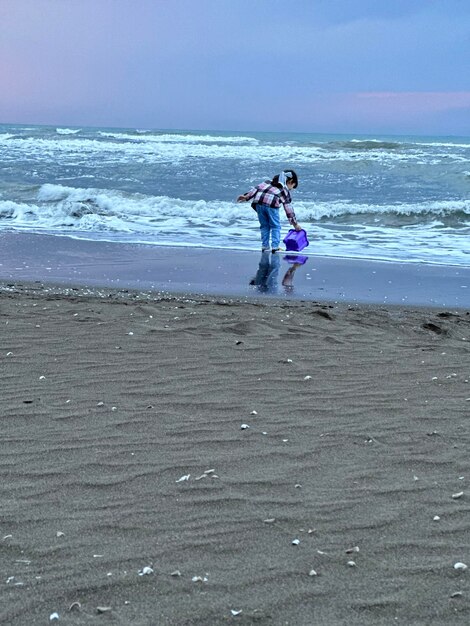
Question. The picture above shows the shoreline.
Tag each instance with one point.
(68, 262)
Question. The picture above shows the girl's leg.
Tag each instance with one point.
(275, 226)
(264, 224)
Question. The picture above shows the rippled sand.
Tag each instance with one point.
(115, 409)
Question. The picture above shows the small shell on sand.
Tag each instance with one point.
(244, 426)
(312, 572)
(307, 378)
(103, 609)
(456, 496)
(436, 518)
(254, 413)
(185, 477)
(456, 594)
(234, 613)
(295, 542)
(351, 550)
(352, 563)
(145, 571)
(270, 520)
(59, 533)
(75, 606)
(460, 566)
(176, 573)
(53, 616)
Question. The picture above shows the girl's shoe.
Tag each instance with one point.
(274, 250)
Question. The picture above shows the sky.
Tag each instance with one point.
(344, 66)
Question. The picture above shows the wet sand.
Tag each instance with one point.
(234, 273)
(123, 449)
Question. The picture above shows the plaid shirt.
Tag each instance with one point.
(265, 193)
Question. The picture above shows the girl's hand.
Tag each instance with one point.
(298, 227)
(241, 199)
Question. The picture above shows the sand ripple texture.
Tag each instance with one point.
(131, 494)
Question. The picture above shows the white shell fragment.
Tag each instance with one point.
(176, 573)
(145, 571)
(75, 606)
(456, 594)
(53, 616)
(234, 613)
(295, 542)
(103, 609)
(456, 496)
(307, 378)
(199, 579)
(185, 477)
(254, 413)
(352, 563)
(270, 520)
(460, 566)
(351, 550)
(436, 518)
(244, 426)
(59, 533)
(312, 572)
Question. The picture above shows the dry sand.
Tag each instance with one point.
(360, 438)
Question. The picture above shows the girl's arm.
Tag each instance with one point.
(248, 195)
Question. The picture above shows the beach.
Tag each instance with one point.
(197, 456)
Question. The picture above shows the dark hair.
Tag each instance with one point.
(290, 176)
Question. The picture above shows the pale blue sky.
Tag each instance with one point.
(363, 66)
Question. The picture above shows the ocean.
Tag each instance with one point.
(396, 198)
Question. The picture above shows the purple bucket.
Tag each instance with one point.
(296, 240)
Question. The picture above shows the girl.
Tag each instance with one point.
(267, 198)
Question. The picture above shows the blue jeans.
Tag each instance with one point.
(269, 225)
